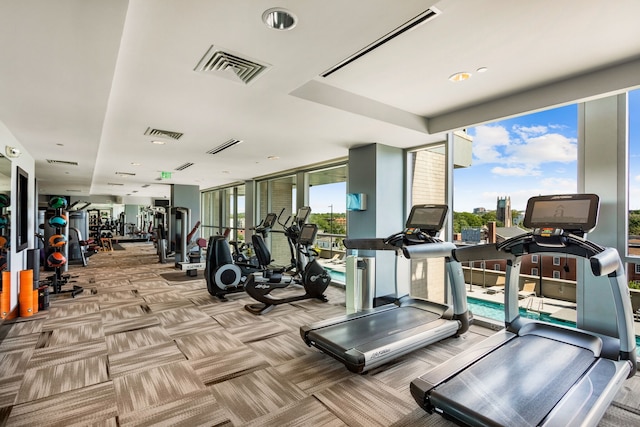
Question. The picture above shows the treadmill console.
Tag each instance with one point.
(426, 218)
(552, 217)
(269, 220)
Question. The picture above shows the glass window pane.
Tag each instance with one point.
(634, 174)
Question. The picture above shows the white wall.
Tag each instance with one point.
(26, 162)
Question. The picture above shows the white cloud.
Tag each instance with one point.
(486, 141)
(526, 132)
(515, 171)
(551, 147)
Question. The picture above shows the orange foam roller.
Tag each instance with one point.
(25, 298)
(5, 301)
(35, 301)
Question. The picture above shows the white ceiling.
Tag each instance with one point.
(82, 80)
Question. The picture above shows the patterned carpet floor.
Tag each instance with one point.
(145, 345)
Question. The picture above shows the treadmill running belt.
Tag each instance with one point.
(356, 332)
(515, 385)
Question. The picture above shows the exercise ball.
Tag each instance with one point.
(57, 240)
(56, 259)
(4, 200)
(3, 242)
(58, 221)
(58, 202)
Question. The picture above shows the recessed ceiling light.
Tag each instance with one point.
(482, 70)
(279, 19)
(459, 77)
(157, 142)
(273, 158)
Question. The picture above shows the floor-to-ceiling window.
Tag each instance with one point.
(278, 195)
(222, 211)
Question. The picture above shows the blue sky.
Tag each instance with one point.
(520, 158)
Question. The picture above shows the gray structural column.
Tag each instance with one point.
(377, 171)
(602, 148)
(187, 196)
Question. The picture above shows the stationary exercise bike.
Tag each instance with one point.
(306, 270)
(222, 273)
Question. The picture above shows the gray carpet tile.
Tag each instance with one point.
(179, 315)
(191, 327)
(363, 401)
(281, 348)
(259, 331)
(141, 359)
(255, 394)
(124, 325)
(83, 406)
(228, 364)
(61, 377)
(18, 328)
(9, 388)
(314, 372)
(197, 346)
(131, 340)
(70, 335)
(306, 412)
(154, 386)
(52, 356)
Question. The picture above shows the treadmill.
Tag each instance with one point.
(534, 373)
(370, 338)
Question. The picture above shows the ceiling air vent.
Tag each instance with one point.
(113, 183)
(183, 167)
(412, 23)
(230, 65)
(146, 185)
(125, 174)
(62, 162)
(163, 133)
(230, 143)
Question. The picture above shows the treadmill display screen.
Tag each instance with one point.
(427, 217)
(569, 212)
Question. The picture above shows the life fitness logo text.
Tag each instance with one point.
(380, 353)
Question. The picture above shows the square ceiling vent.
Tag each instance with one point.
(230, 65)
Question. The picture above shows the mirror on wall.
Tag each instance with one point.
(5, 211)
(21, 210)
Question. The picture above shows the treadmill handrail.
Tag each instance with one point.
(375, 244)
(429, 250)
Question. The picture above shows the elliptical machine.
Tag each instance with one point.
(305, 269)
(223, 275)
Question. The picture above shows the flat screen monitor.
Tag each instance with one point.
(308, 234)
(427, 217)
(303, 214)
(565, 211)
(269, 220)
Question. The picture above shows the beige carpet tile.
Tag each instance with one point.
(9, 388)
(218, 307)
(294, 320)
(443, 350)
(178, 315)
(124, 325)
(627, 397)
(113, 281)
(70, 335)
(197, 346)
(63, 322)
(84, 406)
(17, 329)
(119, 296)
(73, 309)
(399, 374)
(306, 412)
(4, 414)
(362, 401)
(52, 356)
(126, 312)
(258, 331)
(161, 384)
(240, 317)
(191, 327)
(193, 410)
(202, 298)
(228, 364)
(20, 342)
(419, 418)
(14, 362)
(162, 297)
(255, 394)
(176, 303)
(131, 340)
(49, 380)
(314, 372)
(143, 358)
(620, 416)
(282, 348)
